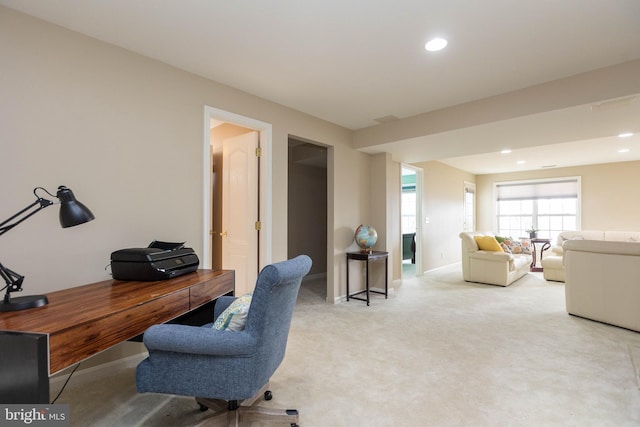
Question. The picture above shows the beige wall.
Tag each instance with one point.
(126, 134)
(442, 203)
(609, 194)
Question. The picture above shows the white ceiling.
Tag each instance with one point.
(352, 62)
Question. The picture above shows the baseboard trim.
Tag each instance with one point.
(443, 266)
(315, 276)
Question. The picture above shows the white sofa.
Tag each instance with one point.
(603, 281)
(494, 268)
(553, 261)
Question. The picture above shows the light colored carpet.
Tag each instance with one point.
(438, 352)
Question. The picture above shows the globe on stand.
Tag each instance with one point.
(366, 236)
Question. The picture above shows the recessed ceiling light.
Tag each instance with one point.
(623, 150)
(436, 44)
(506, 151)
(625, 134)
(521, 162)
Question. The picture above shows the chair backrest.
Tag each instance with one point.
(271, 310)
(579, 235)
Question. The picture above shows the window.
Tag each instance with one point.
(469, 207)
(549, 206)
(408, 209)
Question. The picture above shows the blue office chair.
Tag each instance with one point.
(229, 371)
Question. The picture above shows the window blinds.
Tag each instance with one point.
(557, 189)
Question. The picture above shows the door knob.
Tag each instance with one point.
(224, 234)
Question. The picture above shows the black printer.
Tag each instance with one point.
(159, 261)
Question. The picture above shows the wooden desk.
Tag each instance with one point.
(86, 320)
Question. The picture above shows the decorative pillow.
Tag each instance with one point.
(235, 316)
(505, 247)
(526, 245)
(488, 243)
(519, 246)
(501, 239)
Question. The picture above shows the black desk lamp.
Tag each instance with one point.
(72, 212)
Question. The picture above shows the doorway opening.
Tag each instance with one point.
(224, 128)
(410, 227)
(307, 210)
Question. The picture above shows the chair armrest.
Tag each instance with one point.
(199, 340)
(557, 250)
(491, 256)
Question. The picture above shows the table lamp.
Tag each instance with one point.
(72, 213)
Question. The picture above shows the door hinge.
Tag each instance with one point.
(258, 152)
(258, 225)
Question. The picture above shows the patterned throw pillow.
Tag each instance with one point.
(518, 246)
(235, 316)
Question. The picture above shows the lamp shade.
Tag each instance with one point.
(72, 212)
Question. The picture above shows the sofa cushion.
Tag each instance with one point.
(518, 261)
(488, 243)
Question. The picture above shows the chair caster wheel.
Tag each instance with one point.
(268, 395)
(203, 408)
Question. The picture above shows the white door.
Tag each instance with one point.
(240, 209)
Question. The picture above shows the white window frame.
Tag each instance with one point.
(469, 187)
(578, 180)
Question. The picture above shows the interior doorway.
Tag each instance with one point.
(307, 210)
(411, 225)
(221, 126)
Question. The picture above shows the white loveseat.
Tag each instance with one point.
(603, 281)
(553, 261)
(491, 267)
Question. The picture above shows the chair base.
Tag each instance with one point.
(231, 413)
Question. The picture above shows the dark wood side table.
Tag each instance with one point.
(546, 244)
(367, 256)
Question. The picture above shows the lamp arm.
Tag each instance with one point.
(13, 281)
(40, 201)
(11, 278)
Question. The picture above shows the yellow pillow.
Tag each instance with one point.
(488, 243)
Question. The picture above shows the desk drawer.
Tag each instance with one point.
(76, 344)
(207, 291)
